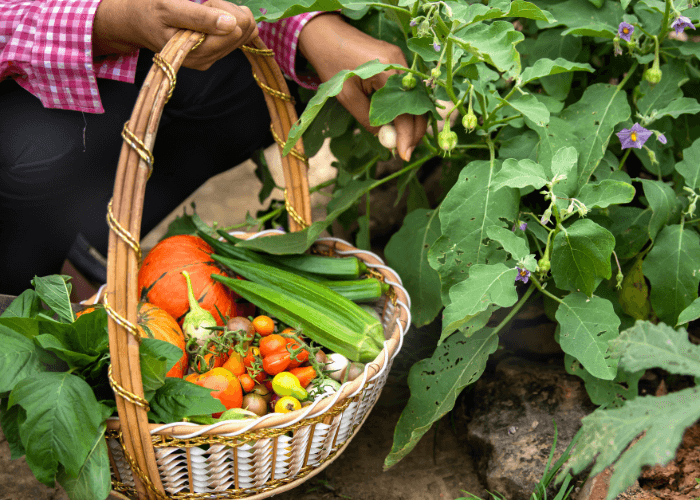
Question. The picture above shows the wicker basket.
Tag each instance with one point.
(241, 459)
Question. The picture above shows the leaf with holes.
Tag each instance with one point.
(581, 256)
(605, 393)
(435, 384)
(587, 325)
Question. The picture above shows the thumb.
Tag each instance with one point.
(404, 136)
(192, 16)
(357, 103)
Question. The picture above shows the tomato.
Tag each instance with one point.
(234, 364)
(271, 344)
(209, 363)
(305, 375)
(301, 357)
(264, 325)
(276, 362)
(246, 381)
(225, 385)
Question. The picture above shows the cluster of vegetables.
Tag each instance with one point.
(216, 302)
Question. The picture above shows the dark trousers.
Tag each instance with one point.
(57, 167)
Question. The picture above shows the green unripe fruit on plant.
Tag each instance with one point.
(408, 81)
(447, 140)
(435, 73)
(543, 265)
(469, 121)
(653, 75)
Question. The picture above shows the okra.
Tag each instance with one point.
(363, 290)
(324, 315)
(331, 268)
(227, 261)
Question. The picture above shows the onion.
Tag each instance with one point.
(336, 365)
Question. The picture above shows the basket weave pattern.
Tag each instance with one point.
(233, 459)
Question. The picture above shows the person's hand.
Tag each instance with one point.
(121, 26)
(332, 45)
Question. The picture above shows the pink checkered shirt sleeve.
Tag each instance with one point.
(46, 46)
(283, 37)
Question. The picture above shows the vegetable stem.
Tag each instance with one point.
(545, 292)
(515, 309)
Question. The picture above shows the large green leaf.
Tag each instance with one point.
(678, 107)
(515, 245)
(494, 43)
(93, 481)
(556, 136)
(662, 201)
(546, 67)
(630, 225)
(607, 434)
(605, 393)
(19, 358)
(594, 118)
(407, 254)
(690, 313)
(552, 45)
(326, 90)
(671, 268)
(689, 166)
(605, 193)
(581, 256)
(26, 305)
(392, 100)
(157, 357)
(531, 108)
(435, 384)
(54, 290)
(520, 174)
(10, 420)
(661, 95)
(177, 399)
(587, 325)
(63, 418)
(486, 285)
(264, 10)
(599, 30)
(472, 13)
(468, 209)
(646, 346)
(573, 13)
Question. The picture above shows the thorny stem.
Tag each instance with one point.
(664, 25)
(516, 308)
(627, 76)
(619, 268)
(542, 290)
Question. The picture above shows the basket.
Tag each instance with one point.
(236, 459)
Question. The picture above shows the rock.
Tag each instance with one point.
(511, 431)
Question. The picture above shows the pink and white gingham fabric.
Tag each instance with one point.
(46, 46)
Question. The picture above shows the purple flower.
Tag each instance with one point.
(414, 22)
(634, 137)
(661, 138)
(523, 275)
(625, 30)
(682, 23)
(436, 46)
(523, 226)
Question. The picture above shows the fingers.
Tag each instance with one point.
(184, 14)
(404, 136)
(353, 98)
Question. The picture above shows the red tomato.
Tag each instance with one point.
(276, 362)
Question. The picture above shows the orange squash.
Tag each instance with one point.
(161, 282)
(154, 322)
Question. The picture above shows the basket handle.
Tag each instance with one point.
(124, 218)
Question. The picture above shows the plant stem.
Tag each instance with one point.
(664, 24)
(389, 6)
(318, 187)
(624, 158)
(627, 76)
(515, 309)
(259, 221)
(542, 290)
(399, 173)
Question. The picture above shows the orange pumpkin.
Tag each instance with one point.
(161, 282)
(154, 322)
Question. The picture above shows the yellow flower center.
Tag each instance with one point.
(523, 272)
(633, 136)
(625, 30)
